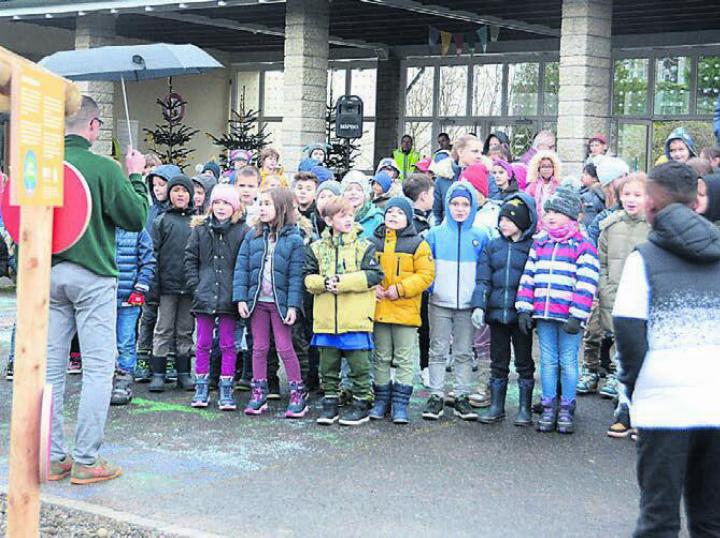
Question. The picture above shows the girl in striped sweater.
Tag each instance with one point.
(557, 290)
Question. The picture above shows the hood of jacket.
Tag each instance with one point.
(462, 185)
(680, 134)
(207, 183)
(533, 173)
(502, 137)
(166, 172)
(530, 204)
(683, 232)
(712, 182)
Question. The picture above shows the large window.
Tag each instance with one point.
(630, 86)
(523, 89)
(453, 90)
(708, 83)
(672, 86)
(419, 91)
(273, 101)
(487, 91)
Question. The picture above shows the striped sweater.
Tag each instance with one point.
(560, 279)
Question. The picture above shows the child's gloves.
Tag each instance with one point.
(572, 326)
(136, 298)
(525, 323)
(478, 318)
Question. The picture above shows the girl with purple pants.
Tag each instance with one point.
(209, 264)
(268, 287)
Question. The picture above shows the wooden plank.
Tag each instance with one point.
(33, 293)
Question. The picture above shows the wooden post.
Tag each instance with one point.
(33, 299)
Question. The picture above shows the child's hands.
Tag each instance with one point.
(243, 310)
(331, 284)
(291, 316)
(572, 326)
(392, 293)
(379, 293)
(525, 322)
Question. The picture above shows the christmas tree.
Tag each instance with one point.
(244, 132)
(169, 139)
(343, 152)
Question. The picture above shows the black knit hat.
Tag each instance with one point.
(184, 182)
(516, 210)
(565, 200)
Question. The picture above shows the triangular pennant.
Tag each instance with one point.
(482, 35)
(494, 33)
(445, 40)
(459, 40)
(433, 36)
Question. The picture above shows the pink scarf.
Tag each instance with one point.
(560, 234)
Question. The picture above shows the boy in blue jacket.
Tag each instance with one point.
(136, 268)
(456, 246)
(501, 266)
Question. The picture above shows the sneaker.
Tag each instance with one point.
(297, 408)
(75, 364)
(463, 409)
(330, 412)
(480, 399)
(60, 470)
(142, 371)
(620, 428)
(610, 388)
(356, 415)
(273, 389)
(9, 371)
(433, 408)
(100, 471)
(588, 382)
(122, 392)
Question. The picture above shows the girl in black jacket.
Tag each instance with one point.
(209, 264)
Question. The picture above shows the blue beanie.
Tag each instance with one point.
(404, 204)
(306, 165)
(213, 167)
(384, 180)
(322, 173)
(461, 193)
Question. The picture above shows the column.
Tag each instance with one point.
(585, 71)
(305, 80)
(387, 107)
(97, 31)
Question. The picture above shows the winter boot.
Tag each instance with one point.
(524, 415)
(297, 408)
(184, 379)
(202, 392)
(400, 400)
(226, 402)
(498, 391)
(171, 372)
(565, 419)
(158, 365)
(122, 392)
(142, 368)
(382, 402)
(357, 414)
(258, 401)
(330, 412)
(547, 420)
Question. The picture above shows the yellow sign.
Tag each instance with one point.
(37, 143)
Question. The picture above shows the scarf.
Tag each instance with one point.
(560, 234)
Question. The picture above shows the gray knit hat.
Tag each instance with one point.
(330, 185)
(565, 200)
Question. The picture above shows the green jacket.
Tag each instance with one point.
(116, 202)
(406, 162)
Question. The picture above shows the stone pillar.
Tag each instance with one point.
(307, 26)
(585, 71)
(97, 31)
(387, 107)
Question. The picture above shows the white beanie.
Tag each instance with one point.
(611, 168)
(358, 177)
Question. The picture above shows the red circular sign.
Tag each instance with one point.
(69, 221)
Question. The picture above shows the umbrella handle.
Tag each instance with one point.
(127, 112)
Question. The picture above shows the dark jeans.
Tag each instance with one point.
(501, 336)
(673, 464)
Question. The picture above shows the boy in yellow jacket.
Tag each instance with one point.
(409, 270)
(341, 272)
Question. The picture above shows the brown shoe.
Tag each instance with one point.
(59, 470)
(100, 471)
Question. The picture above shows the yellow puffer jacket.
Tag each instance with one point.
(352, 258)
(407, 262)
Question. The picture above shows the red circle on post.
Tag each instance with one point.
(69, 221)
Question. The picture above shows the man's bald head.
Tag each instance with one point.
(85, 122)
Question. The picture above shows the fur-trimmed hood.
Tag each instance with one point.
(199, 220)
(533, 173)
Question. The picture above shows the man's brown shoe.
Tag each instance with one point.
(59, 470)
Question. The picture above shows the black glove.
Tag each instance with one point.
(572, 326)
(526, 323)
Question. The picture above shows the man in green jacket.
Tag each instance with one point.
(406, 157)
(83, 281)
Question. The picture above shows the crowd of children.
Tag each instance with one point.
(365, 286)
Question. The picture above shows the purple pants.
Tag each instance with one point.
(205, 326)
(263, 317)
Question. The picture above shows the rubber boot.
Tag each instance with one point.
(382, 401)
(158, 366)
(400, 400)
(498, 391)
(524, 414)
(184, 378)
(171, 370)
(547, 420)
(202, 396)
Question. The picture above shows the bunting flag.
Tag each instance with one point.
(433, 36)
(471, 39)
(459, 40)
(494, 33)
(482, 35)
(445, 40)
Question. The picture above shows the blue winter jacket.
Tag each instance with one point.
(136, 262)
(593, 229)
(456, 248)
(501, 266)
(287, 269)
(442, 184)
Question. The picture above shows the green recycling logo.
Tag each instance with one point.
(30, 172)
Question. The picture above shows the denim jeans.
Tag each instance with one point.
(558, 356)
(126, 326)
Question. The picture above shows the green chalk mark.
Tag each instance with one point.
(140, 406)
